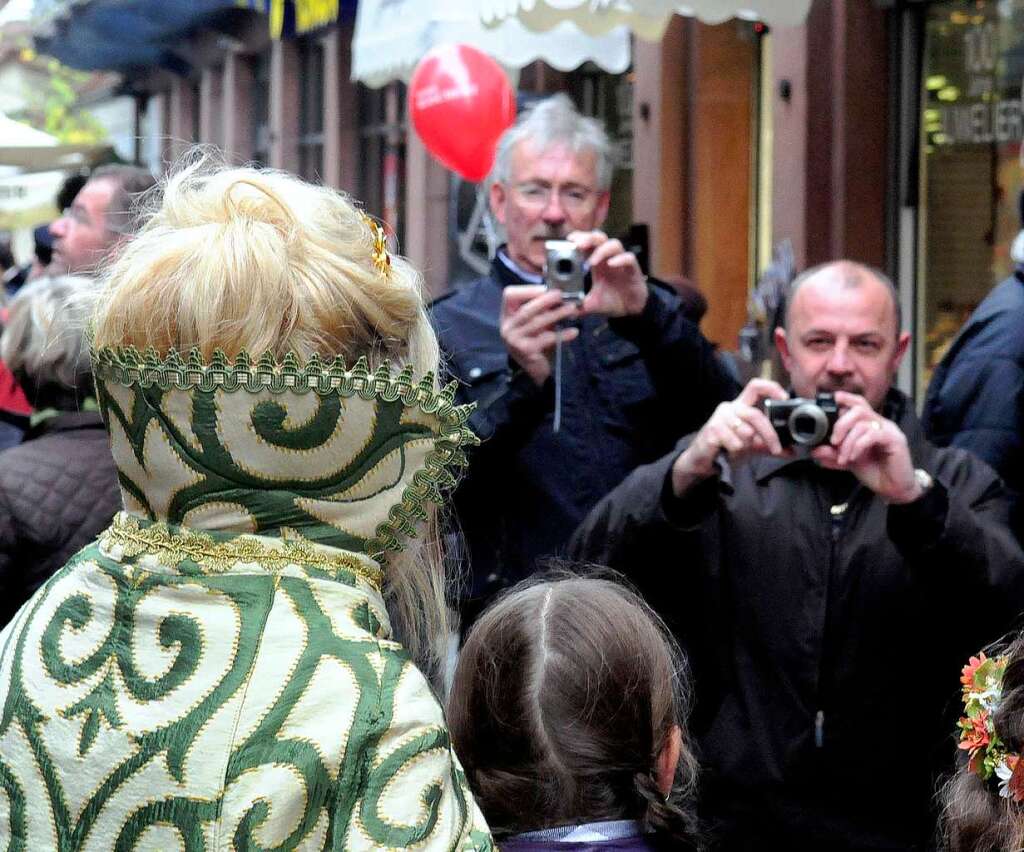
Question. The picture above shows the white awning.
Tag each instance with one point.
(16, 133)
(42, 158)
(29, 150)
(27, 200)
(647, 18)
(391, 36)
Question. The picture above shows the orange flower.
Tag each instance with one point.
(967, 677)
(974, 732)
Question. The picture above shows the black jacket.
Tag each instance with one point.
(58, 491)
(631, 386)
(976, 396)
(826, 632)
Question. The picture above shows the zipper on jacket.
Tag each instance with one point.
(837, 514)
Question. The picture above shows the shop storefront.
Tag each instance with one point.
(970, 176)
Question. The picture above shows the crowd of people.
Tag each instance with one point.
(238, 615)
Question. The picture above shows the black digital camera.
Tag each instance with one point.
(807, 422)
(563, 269)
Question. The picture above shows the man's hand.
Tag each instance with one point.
(618, 287)
(872, 448)
(738, 428)
(529, 314)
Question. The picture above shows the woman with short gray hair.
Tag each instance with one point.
(43, 342)
(58, 488)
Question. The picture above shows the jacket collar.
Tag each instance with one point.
(338, 455)
(66, 421)
(505, 273)
(521, 276)
(897, 408)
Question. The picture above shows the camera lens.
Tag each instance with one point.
(563, 266)
(805, 425)
(808, 425)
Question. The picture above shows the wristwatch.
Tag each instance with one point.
(923, 479)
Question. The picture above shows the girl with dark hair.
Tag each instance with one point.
(984, 801)
(567, 709)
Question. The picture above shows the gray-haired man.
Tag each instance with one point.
(635, 371)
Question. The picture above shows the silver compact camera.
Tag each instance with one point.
(563, 269)
(807, 422)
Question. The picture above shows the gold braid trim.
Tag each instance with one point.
(173, 545)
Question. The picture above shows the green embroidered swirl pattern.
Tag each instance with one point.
(343, 456)
(219, 706)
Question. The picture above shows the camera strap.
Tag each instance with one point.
(557, 424)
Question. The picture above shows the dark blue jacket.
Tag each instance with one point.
(976, 397)
(631, 387)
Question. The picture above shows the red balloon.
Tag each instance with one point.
(461, 102)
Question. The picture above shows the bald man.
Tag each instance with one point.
(827, 597)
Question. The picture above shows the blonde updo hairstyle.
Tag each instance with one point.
(258, 260)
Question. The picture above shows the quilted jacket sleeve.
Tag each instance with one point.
(11, 582)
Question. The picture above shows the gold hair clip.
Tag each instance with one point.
(381, 258)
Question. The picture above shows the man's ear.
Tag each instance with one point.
(668, 760)
(604, 200)
(782, 344)
(902, 345)
(498, 198)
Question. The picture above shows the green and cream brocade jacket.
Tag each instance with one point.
(217, 670)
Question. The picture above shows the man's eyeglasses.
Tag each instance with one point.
(571, 198)
(78, 215)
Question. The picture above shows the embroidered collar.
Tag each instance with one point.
(339, 456)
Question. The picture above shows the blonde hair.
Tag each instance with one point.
(255, 260)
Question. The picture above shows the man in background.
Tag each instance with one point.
(98, 219)
(976, 396)
(826, 598)
(636, 372)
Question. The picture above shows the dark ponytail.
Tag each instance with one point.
(671, 819)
